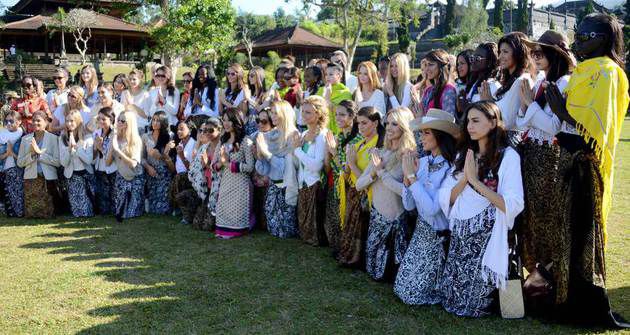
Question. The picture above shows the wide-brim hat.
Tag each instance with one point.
(556, 41)
(439, 120)
(11, 94)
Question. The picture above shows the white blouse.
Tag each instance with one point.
(311, 162)
(55, 100)
(180, 167)
(541, 124)
(510, 102)
(207, 108)
(77, 159)
(376, 100)
(469, 204)
(9, 138)
(406, 99)
(171, 104)
(141, 101)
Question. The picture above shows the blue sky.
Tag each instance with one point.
(269, 6)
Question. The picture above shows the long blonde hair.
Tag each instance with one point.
(402, 116)
(398, 84)
(286, 115)
(79, 132)
(80, 93)
(93, 84)
(320, 105)
(132, 138)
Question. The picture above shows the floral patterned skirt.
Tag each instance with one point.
(38, 198)
(281, 219)
(310, 215)
(14, 191)
(129, 196)
(464, 291)
(354, 233)
(386, 243)
(104, 192)
(81, 186)
(418, 279)
(332, 223)
(158, 190)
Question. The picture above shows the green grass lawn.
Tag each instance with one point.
(153, 275)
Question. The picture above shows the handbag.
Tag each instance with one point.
(539, 290)
(511, 298)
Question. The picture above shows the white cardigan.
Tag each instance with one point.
(78, 159)
(469, 203)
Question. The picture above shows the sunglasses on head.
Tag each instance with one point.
(585, 36)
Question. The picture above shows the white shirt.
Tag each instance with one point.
(311, 162)
(61, 98)
(141, 101)
(188, 149)
(376, 100)
(206, 107)
(171, 104)
(406, 98)
(510, 102)
(351, 82)
(86, 115)
(9, 138)
(100, 163)
(541, 124)
(494, 87)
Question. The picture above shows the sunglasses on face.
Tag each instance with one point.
(186, 81)
(58, 78)
(207, 130)
(160, 76)
(9, 122)
(262, 121)
(475, 58)
(585, 36)
(122, 121)
(231, 74)
(27, 85)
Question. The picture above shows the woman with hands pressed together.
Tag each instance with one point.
(346, 117)
(418, 279)
(157, 163)
(234, 161)
(105, 173)
(387, 240)
(39, 156)
(126, 153)
(310, 150)
(354, 224)
(481, 197)
(276, 161)
(181, 186)
(76, 156)
(13, 176)
(205, 182)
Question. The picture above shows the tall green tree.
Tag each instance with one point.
(498, 14)
(449, 23)
(353, 16)
(196, 27)
(522, 16)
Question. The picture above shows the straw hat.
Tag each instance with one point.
(439, 120)
(11, 94)
(556, 41)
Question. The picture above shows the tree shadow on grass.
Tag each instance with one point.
(188, 282)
